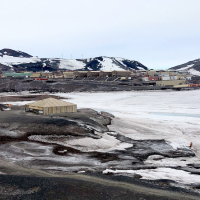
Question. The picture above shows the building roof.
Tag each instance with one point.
(81, 72)
(49, 102)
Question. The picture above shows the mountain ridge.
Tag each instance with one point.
(19, 61)
(192, 66)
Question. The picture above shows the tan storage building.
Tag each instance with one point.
(93, 73)
(68, 74)
(46, 74)
(121, 73)
(170, 82)
(152, 72)
(58, 76)
(35, 75)
(105, 73)
(80, 74)
(50, 106)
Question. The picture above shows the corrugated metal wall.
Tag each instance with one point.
(60, 109)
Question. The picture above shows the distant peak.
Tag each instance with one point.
(14, 53)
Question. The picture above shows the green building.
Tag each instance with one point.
(25, 74)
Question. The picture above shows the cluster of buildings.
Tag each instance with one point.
(152, 77)
(167, 77)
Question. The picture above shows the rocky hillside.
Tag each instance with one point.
(19, 61)
(192, 66)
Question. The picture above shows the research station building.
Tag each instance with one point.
(50, 106)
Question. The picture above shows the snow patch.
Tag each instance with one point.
(105, 144)
(71, 64)
(185, 68)
(194, 72)
(179, 176)
(108, 65)
(9, 60)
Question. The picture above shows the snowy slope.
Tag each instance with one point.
(10, 60)
(101, 63)
(193, 67)
(71, 64)
(19, 61)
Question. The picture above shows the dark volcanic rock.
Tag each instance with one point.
(144, 148)
(194, 64)
(10, 52)
(4, 67)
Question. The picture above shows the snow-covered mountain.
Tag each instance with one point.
(193, 67)
(18, 61)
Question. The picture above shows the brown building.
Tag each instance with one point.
(68, 74)
(80, 74)
(121, 73)
(35, 75)
(46, 74)
(170, 82)
(105, 73)
(93, 73)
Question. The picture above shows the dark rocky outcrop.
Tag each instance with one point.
(194, 64)
(10, 52)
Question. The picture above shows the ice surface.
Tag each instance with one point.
(138, 117)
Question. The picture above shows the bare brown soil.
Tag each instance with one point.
(26, 98)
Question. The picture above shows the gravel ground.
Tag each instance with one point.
(84, 187)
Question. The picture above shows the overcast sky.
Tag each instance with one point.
(157, 33)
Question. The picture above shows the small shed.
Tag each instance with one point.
(50, 106)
